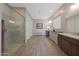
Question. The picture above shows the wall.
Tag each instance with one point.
(28, 26)
(0, 29)
(72, 23)
(39, 31)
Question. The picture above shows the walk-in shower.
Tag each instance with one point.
(13, 29)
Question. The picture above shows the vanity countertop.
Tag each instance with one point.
(72, 35)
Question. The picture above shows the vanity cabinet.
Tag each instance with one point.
(69, 45)
(66, 46)
(75, 50)
(59, 41)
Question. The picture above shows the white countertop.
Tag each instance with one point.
(70, 35)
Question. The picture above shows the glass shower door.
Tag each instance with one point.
(14, 33)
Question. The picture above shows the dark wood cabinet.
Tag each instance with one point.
(75, 50)
(59, 41)
(69, 45)
(66, 46)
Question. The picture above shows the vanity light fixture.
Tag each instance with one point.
(11, 21)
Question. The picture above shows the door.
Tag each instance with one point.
(2, 40)
(13, 34)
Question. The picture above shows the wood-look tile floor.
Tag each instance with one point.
(40, 46)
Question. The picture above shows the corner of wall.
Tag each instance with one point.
(28, 24)
(0, 29)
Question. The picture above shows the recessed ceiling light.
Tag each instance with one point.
(75, 6)
(50, 11)
(50, 22)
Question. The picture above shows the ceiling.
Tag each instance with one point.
(39, 10)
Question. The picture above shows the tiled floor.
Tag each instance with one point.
(40, 46)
